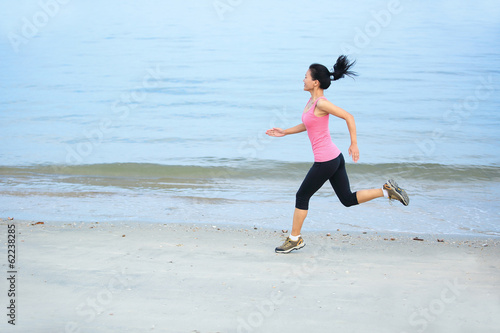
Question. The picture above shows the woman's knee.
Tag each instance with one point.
(350, 200)
(302, 201)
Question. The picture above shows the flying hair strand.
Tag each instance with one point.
(342, 68)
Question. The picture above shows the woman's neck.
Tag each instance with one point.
(316, 93)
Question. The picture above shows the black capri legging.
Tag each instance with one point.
(320, 172)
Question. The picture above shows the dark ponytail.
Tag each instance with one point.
(340, 69)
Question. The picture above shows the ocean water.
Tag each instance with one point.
(156, 111)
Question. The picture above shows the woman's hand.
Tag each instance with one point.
(354, 152)
(277, 132)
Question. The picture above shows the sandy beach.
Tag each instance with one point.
(138, 277)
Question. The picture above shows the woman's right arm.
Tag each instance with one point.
(278, 132)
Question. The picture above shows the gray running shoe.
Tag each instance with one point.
(395, 192)
(289, 245)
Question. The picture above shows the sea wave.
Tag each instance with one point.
(244, 169)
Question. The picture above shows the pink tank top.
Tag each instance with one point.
(317, 129)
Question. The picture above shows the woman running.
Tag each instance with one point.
(329, 163)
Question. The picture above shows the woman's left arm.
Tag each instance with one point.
(329, 108)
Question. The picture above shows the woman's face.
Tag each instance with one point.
(308, 81)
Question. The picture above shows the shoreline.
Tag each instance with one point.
(312, 232)
(137, 277)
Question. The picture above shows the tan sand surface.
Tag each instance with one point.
(139, 277)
